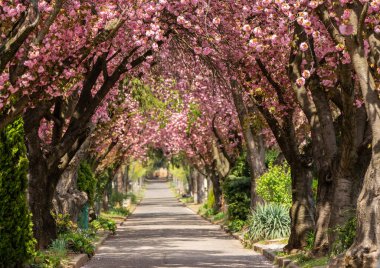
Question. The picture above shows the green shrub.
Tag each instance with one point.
(46, 259)
(270, 157)
(16, 236)
(235, 225)
(274, 186)
(241, 168)
(119, 211)
(104, 224)
(345, 236)
(64, 223)
(219, 216)
(79, 242)
(205, 211)
(116, 199)
(53, 257)
(237, 193)
(210, 198)
(59, 247)
(102, 182)
(86, 181)
(269, 221)
(310, 240)
(133, 197)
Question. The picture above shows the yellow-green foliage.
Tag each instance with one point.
(16, 236)
(210, 198)
(274, 186)
(178, 172)
(137, 170)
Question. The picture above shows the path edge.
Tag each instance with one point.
(267, 253)
(80, 260)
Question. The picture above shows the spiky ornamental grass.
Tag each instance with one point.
(269, 221)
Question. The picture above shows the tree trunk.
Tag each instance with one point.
(254, 142)
(194, 178)
(68, 199)
(41, 186)
(302, 210)
(365, 250)
(126, 179)
(41, 194)
(201, 180)
(217, 191)
(256, 160)
(346, 165)
(324, 198)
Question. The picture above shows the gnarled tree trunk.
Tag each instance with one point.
(68, 199)
(365, 251)
(303, 209)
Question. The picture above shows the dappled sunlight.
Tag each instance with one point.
(164, 233)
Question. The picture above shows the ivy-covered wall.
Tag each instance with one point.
(16, 235)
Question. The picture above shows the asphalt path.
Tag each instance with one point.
(163, 233)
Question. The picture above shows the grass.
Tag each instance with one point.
(275, 241)
(111, 216)
(187, 200)
(303, 260)
(221, 216)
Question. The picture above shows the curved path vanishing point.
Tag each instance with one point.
(163, 233)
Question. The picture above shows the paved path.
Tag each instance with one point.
(164, 233)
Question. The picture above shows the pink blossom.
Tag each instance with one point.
(216, 21)
(300, 82)
(40, 69)
(346, 14)
(247, 28)
(306, 74)
(346, 29)
(358, 103)
(257, 31)
(377, 29)
(207, 51)
(181, 20)
(304, 46)
(198, 50)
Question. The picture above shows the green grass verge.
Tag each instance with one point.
(303, 260)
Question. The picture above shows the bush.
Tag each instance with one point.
(120, 211)
(269, 221)
(64, 223)
(237, 192)
(104, 224)
(345, 236)
(235, 225)
(46, 259)
(210, 199)
(270, 157)
(56, 255)
(58, 247)
(79, 242)
(310, 240)
(133, 197)
(16, 235)
(219, 216)
(241, 168)
(205, 211)
(274, 186)
(86, 181)
(117, 198)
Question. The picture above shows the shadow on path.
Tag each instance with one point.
(164, 233)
